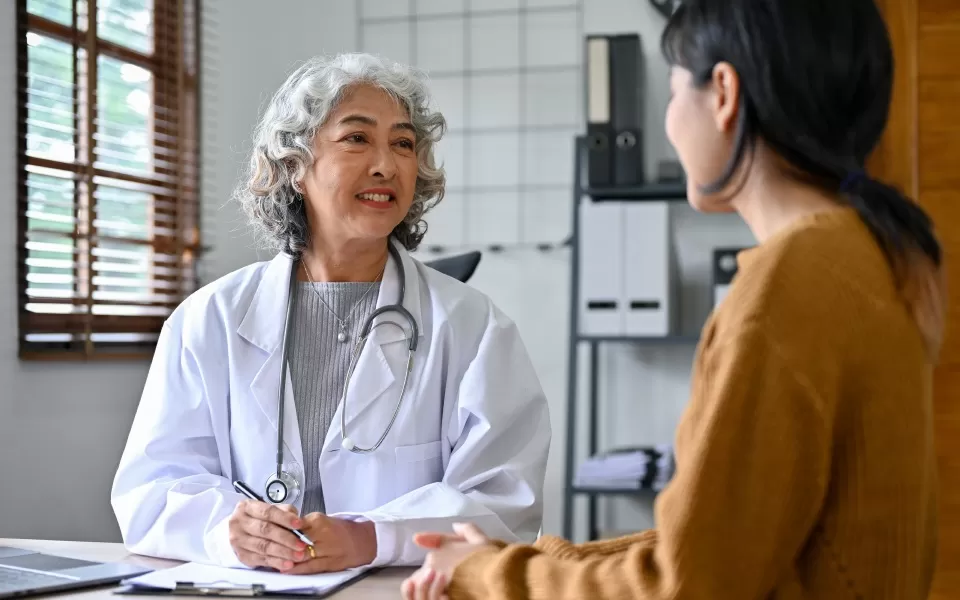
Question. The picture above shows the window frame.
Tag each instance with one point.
(175, 84)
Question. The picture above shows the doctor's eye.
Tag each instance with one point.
(355, 138)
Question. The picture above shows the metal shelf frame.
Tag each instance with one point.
(649, 192)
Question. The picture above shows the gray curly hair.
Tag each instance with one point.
(283, 146)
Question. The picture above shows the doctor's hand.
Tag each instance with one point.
(260, 535)
(338, 544)
(447, 551)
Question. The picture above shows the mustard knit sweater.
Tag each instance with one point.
(805, 457)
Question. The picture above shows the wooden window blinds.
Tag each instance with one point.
(108, 180)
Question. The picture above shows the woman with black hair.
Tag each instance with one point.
(806, 465)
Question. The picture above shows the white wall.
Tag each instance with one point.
(62, 431)
(250, 48)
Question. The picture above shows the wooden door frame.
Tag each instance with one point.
(897, 157)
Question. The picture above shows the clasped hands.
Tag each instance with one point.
(261, 537)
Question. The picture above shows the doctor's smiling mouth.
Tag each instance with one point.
(380, 198)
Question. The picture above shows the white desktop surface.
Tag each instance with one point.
(383, 584)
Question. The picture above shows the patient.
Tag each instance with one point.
(805, 460)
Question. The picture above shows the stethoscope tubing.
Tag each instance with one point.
(365, 332)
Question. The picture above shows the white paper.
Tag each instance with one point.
(200, 575)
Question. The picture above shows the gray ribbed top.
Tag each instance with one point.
(318, 366)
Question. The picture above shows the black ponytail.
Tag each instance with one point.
(816, 78)
(905, 232)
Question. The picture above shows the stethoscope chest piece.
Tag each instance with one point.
(283, 488)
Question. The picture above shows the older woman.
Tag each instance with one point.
(408, 399)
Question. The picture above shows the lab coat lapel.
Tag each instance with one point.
(379, 373)
(263, 326)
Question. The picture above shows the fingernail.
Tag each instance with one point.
(297, 524)
(299, 555)
(301, 546)
(287, 565)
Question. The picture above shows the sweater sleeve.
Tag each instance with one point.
(558, 547)
(753, 455)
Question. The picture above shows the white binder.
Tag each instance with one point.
(649, 269)
(601, 268)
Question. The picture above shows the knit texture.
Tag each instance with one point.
(318, 366)
(805, 457)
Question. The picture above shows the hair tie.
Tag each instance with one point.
(852, 180)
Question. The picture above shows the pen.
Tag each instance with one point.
(246, 491)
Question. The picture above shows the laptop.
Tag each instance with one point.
(25, 572)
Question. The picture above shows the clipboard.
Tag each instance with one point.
(186, 588)
(222, 587)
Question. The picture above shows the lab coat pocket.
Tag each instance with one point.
(417, 466)
(417, 452)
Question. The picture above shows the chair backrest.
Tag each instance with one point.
(459, 267)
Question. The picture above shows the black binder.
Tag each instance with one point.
(600, 137)
(627, 109)
(614, 110)
(723, 271)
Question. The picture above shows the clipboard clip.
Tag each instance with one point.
(188, 588)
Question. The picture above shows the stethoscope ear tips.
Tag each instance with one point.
(347, 444)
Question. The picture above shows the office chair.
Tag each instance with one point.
(460, 267)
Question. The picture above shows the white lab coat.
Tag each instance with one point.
(470, 442)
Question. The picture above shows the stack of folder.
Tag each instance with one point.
(627, 469)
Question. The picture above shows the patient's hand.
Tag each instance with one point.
(337, 544)
(447, 551)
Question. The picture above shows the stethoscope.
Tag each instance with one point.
(284, 487)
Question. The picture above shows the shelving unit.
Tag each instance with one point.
(650, 191)
(660, 192)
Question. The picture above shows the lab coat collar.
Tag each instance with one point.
(379, 374)
(389, 293)
(262, 324)
(380, 367)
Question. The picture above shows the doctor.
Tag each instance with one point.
(409, 402)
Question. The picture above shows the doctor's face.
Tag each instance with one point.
(361, 184)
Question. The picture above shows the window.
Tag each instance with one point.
(108, 185)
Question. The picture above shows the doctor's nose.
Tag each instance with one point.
(384, 164)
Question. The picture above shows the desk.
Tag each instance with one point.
(381, 585)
